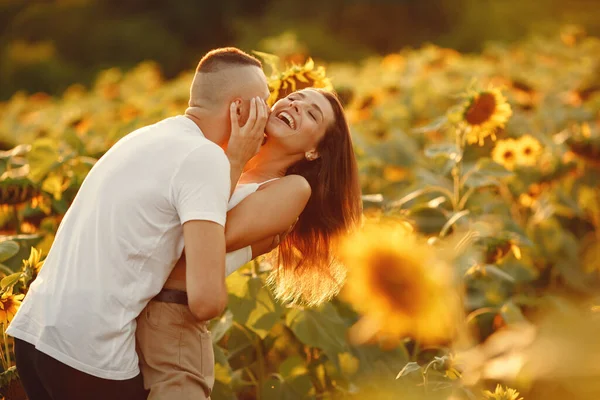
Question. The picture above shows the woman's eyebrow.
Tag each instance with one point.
(303, 96)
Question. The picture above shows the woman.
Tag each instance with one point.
(306, 174)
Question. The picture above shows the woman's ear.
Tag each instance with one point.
(311, 155)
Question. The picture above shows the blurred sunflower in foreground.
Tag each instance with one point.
(295, 77)
(482, 113)
(553, 358)
(398, 285)
(502, 393)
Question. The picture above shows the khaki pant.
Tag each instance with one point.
(175, 351)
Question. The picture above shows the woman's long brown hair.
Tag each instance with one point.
(307, 271)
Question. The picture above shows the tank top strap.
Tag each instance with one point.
(267, 181)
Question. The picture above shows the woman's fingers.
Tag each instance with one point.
(251, 116)
(235, 126)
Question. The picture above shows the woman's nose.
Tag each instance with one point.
(295, 106)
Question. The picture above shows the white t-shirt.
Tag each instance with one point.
(118, 243)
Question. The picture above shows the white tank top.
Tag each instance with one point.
(243, 190)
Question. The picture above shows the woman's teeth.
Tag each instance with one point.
(287, 118)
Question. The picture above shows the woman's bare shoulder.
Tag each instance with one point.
(296, 183)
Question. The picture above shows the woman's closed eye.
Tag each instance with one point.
(312, 115)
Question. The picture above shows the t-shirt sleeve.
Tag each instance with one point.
(234, 260)
(201, 184)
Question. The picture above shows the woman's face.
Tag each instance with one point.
(299, 121)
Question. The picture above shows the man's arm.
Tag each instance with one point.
(199, 193)
(267, 212)
(205, 268)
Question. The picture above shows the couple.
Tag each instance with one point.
(145, 245)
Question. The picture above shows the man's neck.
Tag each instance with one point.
(203, 121)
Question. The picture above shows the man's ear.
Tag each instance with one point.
(238, 106)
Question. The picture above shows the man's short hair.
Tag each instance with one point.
(217, 59)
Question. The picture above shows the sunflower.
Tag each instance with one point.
(393, 62)
(398, 286)
(506, 153)
(296, 77)
(33, 265)
(394, 173)
(502, 393)
(483, 113)
(9, 304)
(529, 150)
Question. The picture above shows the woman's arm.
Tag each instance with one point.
(272, 209)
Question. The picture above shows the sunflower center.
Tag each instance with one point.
(528, 150)
(481, 109)
(393, 281)
(508, 155)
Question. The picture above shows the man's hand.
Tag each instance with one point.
(245, 141)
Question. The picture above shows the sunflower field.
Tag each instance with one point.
(476, 273)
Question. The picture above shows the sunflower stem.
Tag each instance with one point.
(2, 355)
(457, 170)
(7, 354)
(465, 198)
(255, 268)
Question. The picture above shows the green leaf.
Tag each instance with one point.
(447, 150)
(241, 303)
(428, 220)
(237, 284)
(408, 369)
(485, 173)
(222, 391)
(492, 168)
(434, 125)
(321, 328)
(220, 326)
(511, 313)
(399, 150)
(381, 362)
(6, 270)
(220, 356)
(42, 157)
(277, 388)
(241, 346)
(493, 270)
(292, 366)
(452, 220)
(8, 249)
(74, 140)
(480, 179)
(271, 60)
(10, 280)
(267, 311)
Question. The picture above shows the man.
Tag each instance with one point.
(160, 189)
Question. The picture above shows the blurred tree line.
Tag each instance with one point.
(45, 45)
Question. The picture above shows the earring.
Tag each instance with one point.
(310, 156)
